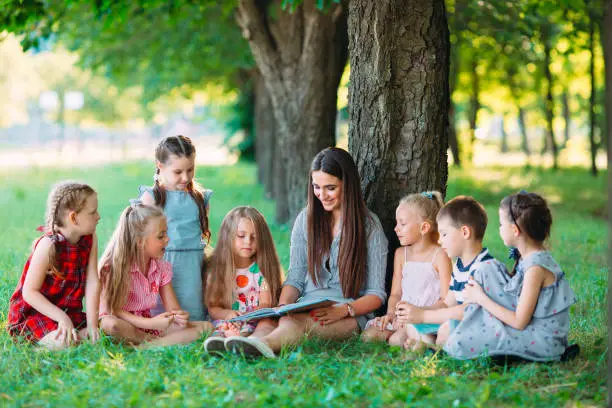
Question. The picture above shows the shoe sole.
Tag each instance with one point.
(215, 345)
(240, 346)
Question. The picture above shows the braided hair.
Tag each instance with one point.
(531, 215)
(180, 146)
(64, 197)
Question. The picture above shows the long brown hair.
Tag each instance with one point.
(65, 196)
(352, 254)
(220, 268)
(123, 251)
(531, 215)
(180, 146)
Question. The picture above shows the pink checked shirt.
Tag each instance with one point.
(143, 292)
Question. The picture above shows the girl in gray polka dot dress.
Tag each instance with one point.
(524, 314)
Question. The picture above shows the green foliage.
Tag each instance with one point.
(316, 373)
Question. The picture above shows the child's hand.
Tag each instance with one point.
(407, 313)
(383, 321)
(66, 333)
(94, 335)
(161, 321)
(181, 317)
(473, 293)
(231, 314)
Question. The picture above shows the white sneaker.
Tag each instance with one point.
(249, 346)
(214, 344)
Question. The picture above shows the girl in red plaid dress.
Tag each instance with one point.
(47, 306)
(134, 275)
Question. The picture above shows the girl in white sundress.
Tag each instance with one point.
(421, 271)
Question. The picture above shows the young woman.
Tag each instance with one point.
(338, 251)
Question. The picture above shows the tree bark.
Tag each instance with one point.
(265, 136)
(399, 99)
(504, 136)
(549, 103)
(520, 112)
(451, 134)
(567, 116)
(592, 102)
(451, 130)
(301, 56)
(607, 41)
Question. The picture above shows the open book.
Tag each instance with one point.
(283, 310)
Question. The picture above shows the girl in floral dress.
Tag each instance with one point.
(243, 275)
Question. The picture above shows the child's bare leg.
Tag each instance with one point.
(185, 336)
(416, 341)
(398, 337)
(122, 330)
(375, 334)
(443, 333)
(264, 327)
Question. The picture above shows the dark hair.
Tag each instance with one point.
(531, 215)
(465, 210)
(180, 146)
(352, 254)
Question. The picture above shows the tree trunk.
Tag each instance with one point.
(606, 34)
(398, 98)
(265, 136)
(474, 106)
(567, 116)
(523, 129)
(504, 136)
(549, 104)
(520, 112)
(592, 118)
(301, 56)
(451, 134)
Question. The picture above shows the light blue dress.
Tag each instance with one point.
(544, 338)
(185, 250)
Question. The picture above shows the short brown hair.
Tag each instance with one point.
(464, 210)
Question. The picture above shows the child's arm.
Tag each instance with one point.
(528, 299)
(219, 313)
(265, 299)
(92, 292)
(171, 304)
(444, 267)
(39, 266)
(160, 322)
(396, 289)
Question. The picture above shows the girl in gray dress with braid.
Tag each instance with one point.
(525, 314)
(185, 205)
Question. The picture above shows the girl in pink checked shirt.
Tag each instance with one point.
(133, 274)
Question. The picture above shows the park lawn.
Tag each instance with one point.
(317, 373)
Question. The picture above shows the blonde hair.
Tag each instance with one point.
(220, 269)
(426, 204)
(123, 251)
(64, 197)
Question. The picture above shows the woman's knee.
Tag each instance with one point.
(111, 325)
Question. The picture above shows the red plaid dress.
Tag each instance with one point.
(64, 292)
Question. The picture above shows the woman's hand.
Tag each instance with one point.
(407, 313)
(161, 321)
(473, 293)
(329, 315)
(66, 333)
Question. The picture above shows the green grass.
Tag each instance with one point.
(316, 373)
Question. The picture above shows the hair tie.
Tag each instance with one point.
(428, 195)
(155, 178)
(134, 202)
(513, 253)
